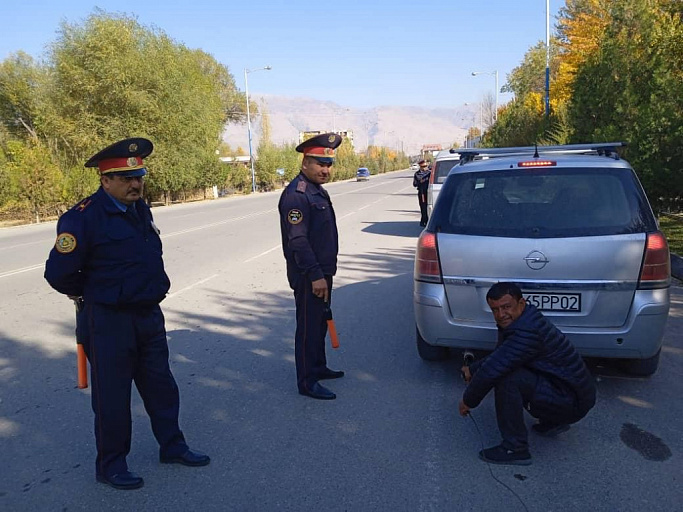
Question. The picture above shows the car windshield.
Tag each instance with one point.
(442, 168)
(545, 203)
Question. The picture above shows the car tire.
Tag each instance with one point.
(641, 367)
(429, 352)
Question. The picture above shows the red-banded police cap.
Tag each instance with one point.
(123, 158)
(321, 146)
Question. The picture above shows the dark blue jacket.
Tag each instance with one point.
(106, 256)
(421, 180)
(309, 230)
(534, 343)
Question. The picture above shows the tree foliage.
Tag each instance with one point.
(616, 75)
(110, 78)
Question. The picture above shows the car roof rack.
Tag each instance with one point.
(608, 149)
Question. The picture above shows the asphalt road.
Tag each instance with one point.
(391, 441)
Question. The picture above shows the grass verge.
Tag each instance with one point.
(672, 227)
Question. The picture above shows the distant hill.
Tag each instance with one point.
(406, 128)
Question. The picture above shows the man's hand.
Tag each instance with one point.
(320, 289)
(463, 409)
(466, 375)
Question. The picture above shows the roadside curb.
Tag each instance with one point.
(677, 266)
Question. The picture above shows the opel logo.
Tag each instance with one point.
(536, 260)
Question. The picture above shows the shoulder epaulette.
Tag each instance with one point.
(301, 186)
(83, 205)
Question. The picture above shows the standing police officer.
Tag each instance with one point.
(421, 183)
(108, 256)
(310, 245)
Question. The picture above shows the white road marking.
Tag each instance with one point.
(262, 254)
(213, 224)
(175, 294)
(21, 245)
(21, 270)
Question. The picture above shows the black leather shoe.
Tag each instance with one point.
(125, 480)
(331, 374)
(189, 458)
(319, 392)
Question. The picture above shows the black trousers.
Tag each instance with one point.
(422, 200)
(126, 346)
(515, 393)
(311, 329)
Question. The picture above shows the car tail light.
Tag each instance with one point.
(656, 269)
(427, 266)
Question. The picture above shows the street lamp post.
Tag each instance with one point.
(251, 154)
(475, 73)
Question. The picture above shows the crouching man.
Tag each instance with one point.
(534, 367)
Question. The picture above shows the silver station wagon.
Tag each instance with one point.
(571, 225)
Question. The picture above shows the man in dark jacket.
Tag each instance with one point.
(421, 183)
(310, 245)
(534, 367)
(108, 257)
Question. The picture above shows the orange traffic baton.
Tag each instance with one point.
(82, 362)
(331, 327)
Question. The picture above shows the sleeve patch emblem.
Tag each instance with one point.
(65, 243)
(295, 216)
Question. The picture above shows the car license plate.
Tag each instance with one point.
(555, 301)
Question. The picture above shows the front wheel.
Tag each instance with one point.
(429, 352)
(642, 367)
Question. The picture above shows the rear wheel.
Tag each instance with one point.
(429, 352)
(642, 367)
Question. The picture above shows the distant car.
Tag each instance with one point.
(572, 226)
(362, 174)
(442, 165)
(414, 167)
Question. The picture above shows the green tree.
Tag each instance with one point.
(114, 78)
(632, 89)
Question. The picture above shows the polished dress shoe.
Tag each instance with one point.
(319, 392)
(189, 458)
(330, 374)
(125, 480)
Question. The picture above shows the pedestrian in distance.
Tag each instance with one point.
(421, 183)
(108, 256)
(534, 367)
(310, 245)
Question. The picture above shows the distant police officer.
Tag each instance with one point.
(108, 254)
(310, 245)
(421, 183)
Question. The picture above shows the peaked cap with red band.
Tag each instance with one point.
(123, 158)
(321, 147)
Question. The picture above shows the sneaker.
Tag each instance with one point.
(501, 455)
(549, 429)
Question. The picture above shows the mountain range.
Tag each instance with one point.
(405, 129)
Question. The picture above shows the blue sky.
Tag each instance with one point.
(358, 54)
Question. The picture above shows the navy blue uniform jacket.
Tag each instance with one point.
(533, 342)
(421, 180)
(115, 261)
(309, 230)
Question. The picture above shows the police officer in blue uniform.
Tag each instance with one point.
(108, 257)
(310, 245)
(421, 183)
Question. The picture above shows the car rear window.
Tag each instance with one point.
(543, 203)
(442, 168)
